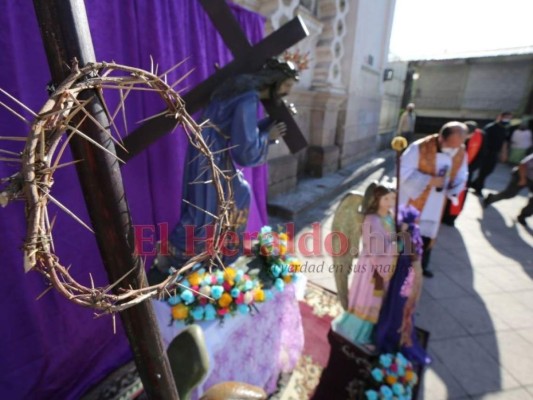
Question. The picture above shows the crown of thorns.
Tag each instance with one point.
(41, 158)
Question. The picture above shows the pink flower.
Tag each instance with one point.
(394, 368)
(222, 311)
(203, 301)
(227, 286)
(240, 298)
(214, 279)
(195, 288)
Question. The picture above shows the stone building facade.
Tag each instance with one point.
(475, 88)
(339, 97)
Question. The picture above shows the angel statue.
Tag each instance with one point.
(387, 277)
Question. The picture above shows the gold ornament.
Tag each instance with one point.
(399, 143)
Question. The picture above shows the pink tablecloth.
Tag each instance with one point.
(248, 348)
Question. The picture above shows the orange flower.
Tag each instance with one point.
(282, 250)
(225, 300)
(287, 278)
(259, 295)
(180, 311)
(194, 279)
(283, 236)
(296, 266)
(391, 380)
(409, 375)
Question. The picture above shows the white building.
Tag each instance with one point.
(339, 98)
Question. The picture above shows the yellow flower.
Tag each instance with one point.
(287, 278)
(283, 236)
(399, 143)
(391, 380)
(180, 311)
(230, 274)
(282, 250)
(296, 266)
(194, 279)
(225, 300)
(409, 375)
(259, 295)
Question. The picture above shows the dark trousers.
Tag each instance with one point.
(511, 191)
(487, 167)
(427, 252)
(410, 136)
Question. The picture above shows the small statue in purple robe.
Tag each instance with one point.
(237, 138)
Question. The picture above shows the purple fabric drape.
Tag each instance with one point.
(50, 347)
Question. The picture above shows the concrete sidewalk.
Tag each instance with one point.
(479, 305)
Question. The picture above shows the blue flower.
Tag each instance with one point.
(198, 313)
(398, 389)
(210, 312)
(216, 292)
(285, 270)
(266, 229)
(220, 276)
(206, 281)
(377, 374)
(174, 300)
(239, 275)
(280, 285)
(187, 296)
(276, 270)
(386, 392)
(371, 395)
(401, 371)
(249, 285)
(401, 360)
(268, 295)
(243, 308)
(185, 283)
(385, 360)
(235, 292)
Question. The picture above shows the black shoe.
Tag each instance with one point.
(449, 222)
(522, 220)
(427, 273)
(487, 200)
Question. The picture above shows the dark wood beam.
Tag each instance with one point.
(65, 32)
(247, 59)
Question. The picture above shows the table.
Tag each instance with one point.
(248, 348)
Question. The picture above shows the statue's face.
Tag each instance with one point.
(286, 87)
(387, 202)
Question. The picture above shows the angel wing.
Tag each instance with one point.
(347, 223)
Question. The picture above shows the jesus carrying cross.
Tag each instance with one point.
(237, 138)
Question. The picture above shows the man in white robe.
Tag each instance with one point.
(432, 169)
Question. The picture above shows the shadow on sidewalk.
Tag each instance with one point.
(454, 313)
(505, 239)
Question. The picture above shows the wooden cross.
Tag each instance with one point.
(247, 59)
(65, 31)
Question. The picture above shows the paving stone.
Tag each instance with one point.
(470, 364)
(511, 351)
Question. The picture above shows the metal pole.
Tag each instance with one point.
(65, 32)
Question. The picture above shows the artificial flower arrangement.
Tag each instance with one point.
(393, 378)
(274, 266)
(207, 296)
